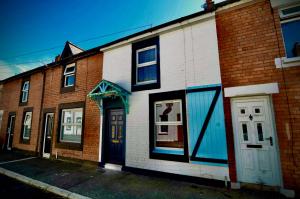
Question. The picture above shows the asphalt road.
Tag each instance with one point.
(10, 189)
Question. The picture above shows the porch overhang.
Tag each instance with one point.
(107, 89)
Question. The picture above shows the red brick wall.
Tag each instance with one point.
(249, 39)
(10, 103)
(88, 74)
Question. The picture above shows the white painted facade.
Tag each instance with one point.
(188, 57)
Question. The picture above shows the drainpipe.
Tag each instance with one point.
(41, 115)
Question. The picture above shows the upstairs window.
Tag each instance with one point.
(25, 91)
(69, 75)
(146, 61)
(145, 65)
(290, 25)
(27, 126)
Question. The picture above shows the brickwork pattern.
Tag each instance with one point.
(10, 103)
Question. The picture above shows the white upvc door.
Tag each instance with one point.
(256, 147)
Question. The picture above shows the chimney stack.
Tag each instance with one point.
(57, 58)
(209, 5)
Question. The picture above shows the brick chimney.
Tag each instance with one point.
(57, 58)
(209, 5)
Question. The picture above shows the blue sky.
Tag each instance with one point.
(33, 32)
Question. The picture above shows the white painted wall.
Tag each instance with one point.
(188, 57)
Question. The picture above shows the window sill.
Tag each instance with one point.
(69, 145)
(67, 89)
(141, 87)
(25, 141)
(285, 62)
(23, 103)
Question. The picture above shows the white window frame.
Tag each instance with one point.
(25, 91)
(74, 124)
(284, 16)
(26, 123)
(68, 74)
(145, 64)
(177, 123)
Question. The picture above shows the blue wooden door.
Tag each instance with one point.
(207, 136)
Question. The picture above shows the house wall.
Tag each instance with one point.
(88, 75)
(10, 103)
(250, 39)
(188, 57)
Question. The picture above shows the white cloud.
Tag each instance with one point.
(5, 70)
(9, 69)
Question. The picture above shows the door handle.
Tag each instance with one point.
(271, 140)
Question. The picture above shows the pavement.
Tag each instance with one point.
(81, 180)
(11, 189)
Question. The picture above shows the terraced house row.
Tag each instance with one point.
(214, 95)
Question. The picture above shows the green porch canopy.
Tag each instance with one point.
(107, 89)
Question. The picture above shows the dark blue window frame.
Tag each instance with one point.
(135, 47)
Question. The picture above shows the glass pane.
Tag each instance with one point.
(27, 119)
(24, 96)
(245, 132)
(49, 125)
(78, 117)
(172, 138)
(146, 73)
(168, 111)
(291, 36)
(113, 117)
(146, 56)
(113, 131)
(26, 133)
(70, 69)
(26, 85)
(67, 117)
(260, 132)
(243, 111)
(71, 134)
(291, 10)
(70, 80)
(120, 131)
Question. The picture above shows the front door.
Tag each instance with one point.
(47, 134)
(116, 137)
(10, 131)
(255, 141)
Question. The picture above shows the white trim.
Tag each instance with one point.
(256, 89)
(47, 155)
(69, 74)
(9, 131)
(162, 30)
(283, 16)
(28, 124)
(284, 62)
(62, 124)
(25, 91)
(290, 20)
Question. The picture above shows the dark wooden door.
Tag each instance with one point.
(10, 131)
(116, 137)
(48, 134)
